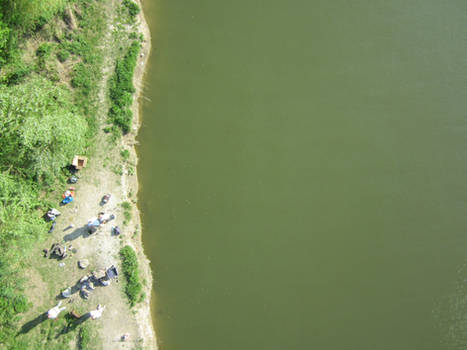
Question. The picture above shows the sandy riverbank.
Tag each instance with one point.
(144, 319)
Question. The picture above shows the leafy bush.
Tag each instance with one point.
(39, 132)
(133, 287)
(28, 15)
(121, 88)
(133, 8)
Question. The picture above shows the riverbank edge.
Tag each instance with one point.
(143, 310)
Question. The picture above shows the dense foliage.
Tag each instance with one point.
(133, 288)
(122, 89)
(43, 123)
(27, 15)
(19, 17)
(39, 133)
(133, 8)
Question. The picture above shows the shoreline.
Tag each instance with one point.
(143, 311)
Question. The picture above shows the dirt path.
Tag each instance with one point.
(106, 172)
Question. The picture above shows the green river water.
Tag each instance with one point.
(303, 171)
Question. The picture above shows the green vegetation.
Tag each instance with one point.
(87, 338)
(133, 288)
(20, 228)
(63, 55)
(48, 113)
(30, 15)
(133, 8)
(122, 89)
(40, 132)
(44, 50)
(126, 212)
(125, 154)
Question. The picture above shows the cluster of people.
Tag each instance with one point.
(92, 225)
(55, 311)
(95, 222)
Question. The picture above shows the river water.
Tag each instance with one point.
(303, 174)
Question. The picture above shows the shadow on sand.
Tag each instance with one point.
(25, 328)
(81, 231)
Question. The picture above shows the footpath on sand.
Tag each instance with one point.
(117, 324)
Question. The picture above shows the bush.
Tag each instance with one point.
(133, 8)
(121, 89)
(29, 15)
(133, 288)
(40, 133)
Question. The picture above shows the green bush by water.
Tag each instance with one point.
(133, 8)
(133, 288)
(122, 89)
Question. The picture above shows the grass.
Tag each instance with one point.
(87, 337)
(133, 288)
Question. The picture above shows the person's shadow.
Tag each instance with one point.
(81, 231)
(25, 328)
(72, 323)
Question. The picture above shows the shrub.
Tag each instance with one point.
(40, 134)
(28, 15)
(121, 89)
(133, 8)
(133, 288)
